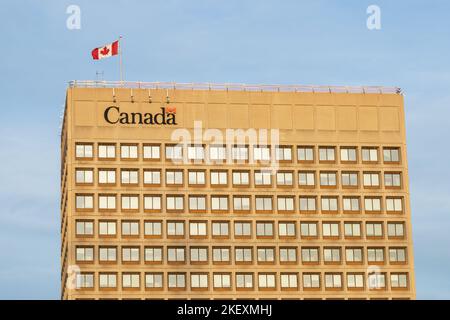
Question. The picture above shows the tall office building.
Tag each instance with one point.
(174, 191)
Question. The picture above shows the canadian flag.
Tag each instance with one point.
(106, 51)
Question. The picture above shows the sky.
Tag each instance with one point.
(244, 41)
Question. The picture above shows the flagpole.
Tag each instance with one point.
(120, 59)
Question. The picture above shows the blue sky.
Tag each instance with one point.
(271, 42)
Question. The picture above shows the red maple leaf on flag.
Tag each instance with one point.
(171, 109)
(104, 51)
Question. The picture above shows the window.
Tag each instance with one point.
(369, 154)
(107, 280)
(107, 202)
(306, 178)
(265, 255)
(222, 280)
(354, 255)
(130, 228)
(399, 280)
(355, 280)
(152, 203)
(199, 281)
(153, 228)
(396, 230)
(131, 280)
(174, 177)
(263, 178)
(130, 177)
(285, 178)
(242, 229)
(106, 151)
(243, 255)
(241, 203)
(307, 204)
(84, 202)
(286, 229)
(219, 178)
(305, 154)
(375, 255)
(329, 204)
(217, 153)
(328, 179)
(175, 229)
(330, 229)
(107, 176)
(130, 254)
(311, 280)
(392, 180)
(196, 177)
(84, 254)
(221, 255)
(397, 255)
(374, 229)
(261, 153)
(176, 254)
(176, 280)
(130, 202)
(244, 281)
(372, 205)
(239, 153)
(153, 254)
(152, 152)
(219, 203)
(84, 176)
(333, 280)
(197, 203)
(174, 152)
(283, 153)
(263, 203)
(152, 177)
(394, 205)
(220, 229)
(371, 179)
(285, 204)
(377, 281)
(266, 281)
(308, 229)
(129, 151)
(331, 255)
(288, 255)
(107, 228)
(348, 154)
(85, 280)
(352, 229)
(84, 150)
(199, 255)
(310, 255)
(153, 280)
(174, 203)
(288, 281)
(196, 152)
(107, 254)
(197, 229)
(391, 155)
(264, 229)
(350, 204)
(241, 178)
(349, 179)
(326, 154)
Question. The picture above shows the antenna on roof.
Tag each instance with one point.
(97, 74)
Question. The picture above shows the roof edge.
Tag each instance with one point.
(233, 87)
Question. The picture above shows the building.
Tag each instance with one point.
(319, 211)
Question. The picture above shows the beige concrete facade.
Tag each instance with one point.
(362, 247)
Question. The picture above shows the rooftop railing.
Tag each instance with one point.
(232, 87)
